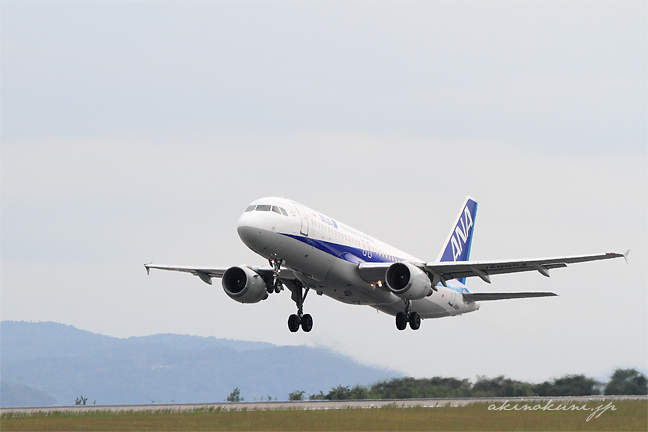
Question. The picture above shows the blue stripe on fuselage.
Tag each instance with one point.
(356, 255)
(347, 253)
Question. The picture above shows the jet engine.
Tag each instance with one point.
(244, 285)
(408, 281)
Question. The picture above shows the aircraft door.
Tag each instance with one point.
(304, 219)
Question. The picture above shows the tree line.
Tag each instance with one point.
(622, 382)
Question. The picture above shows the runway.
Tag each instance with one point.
(322, 405)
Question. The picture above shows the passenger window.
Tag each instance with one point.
(263, 208)
(276, 209)
(283, 212)
(250, 208)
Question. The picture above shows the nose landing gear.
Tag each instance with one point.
(299, 319)
(276, 285)
(403, 318)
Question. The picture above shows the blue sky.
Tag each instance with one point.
(136, 132)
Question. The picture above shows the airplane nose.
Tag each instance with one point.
(246, 233)
(244, 220)
(248, 228)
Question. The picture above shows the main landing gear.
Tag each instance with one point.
(413, 318)
(299, 319)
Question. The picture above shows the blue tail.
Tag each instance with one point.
(457, 247)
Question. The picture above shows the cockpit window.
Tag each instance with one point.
(267, 207)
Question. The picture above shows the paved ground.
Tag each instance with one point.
(321, 405)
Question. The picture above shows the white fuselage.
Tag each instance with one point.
(324, 255)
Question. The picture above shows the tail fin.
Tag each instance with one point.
(457, 247)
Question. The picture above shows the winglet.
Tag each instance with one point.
(625, 256)
(148, 269)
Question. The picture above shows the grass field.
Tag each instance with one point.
(628, 415)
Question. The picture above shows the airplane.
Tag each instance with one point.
(307, 250)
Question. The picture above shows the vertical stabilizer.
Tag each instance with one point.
(457, 246)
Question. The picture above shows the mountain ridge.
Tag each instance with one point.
(65, 362)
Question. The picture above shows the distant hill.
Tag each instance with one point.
(22, 395)
(62, 362)
(26, 341)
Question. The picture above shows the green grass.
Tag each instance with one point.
(629, 415)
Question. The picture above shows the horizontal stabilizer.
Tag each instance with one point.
(471, 297)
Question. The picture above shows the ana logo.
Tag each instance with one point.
(462, 230)
(328, 221)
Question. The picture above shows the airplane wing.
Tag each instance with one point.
(483, 269)
(206, 273)
(472, 297)
(444, 271)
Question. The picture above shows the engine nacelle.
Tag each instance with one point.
(408, 281)
(244, 285)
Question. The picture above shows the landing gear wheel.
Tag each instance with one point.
(293, 322)
(401, 321)
(298, 296)
(276, 285)
(307, 323)
(415, 321)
